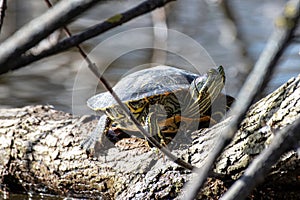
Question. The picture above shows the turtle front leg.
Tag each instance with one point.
(153, 127)
(96, 139)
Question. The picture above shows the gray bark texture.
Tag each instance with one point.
(40, 152)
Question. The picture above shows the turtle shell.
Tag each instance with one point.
(145, 83)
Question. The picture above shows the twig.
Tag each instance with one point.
(240, 41)
(254, 84)
(92, 66)
(285, 140)
(76, 39)
(160, 36)
(3, 6)
(40, 28)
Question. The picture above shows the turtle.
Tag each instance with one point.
(163, 99)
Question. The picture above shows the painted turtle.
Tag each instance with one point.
(163, 99)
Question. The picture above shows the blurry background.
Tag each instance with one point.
(51, 80)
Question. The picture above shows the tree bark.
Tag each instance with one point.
(41, 152)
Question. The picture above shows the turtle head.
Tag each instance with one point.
(204, 89)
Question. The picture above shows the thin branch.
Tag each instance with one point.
(240, 41)
(3, 6)
(40, 28)
(255, 82)
(160, 33)
(285, 140)
(230, 32)
(93, 31)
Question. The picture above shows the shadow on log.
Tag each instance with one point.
(41, 152)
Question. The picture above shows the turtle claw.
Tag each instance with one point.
(95, 147)
(94, 144)
(88, 143)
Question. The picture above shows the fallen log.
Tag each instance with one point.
(41, 153)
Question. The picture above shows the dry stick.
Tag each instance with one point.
(116, 20)
(92, 66)
(40, 28)
(252, 87)
(160, 33)
(285, 140)
(3, 6)
(229, 13)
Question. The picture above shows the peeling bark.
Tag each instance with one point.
(41, 152)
